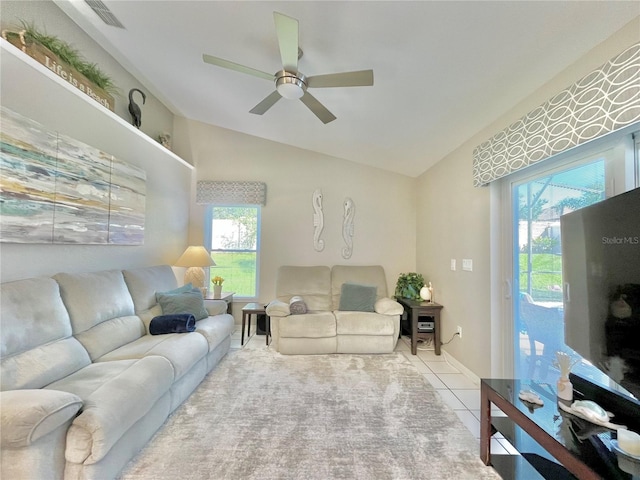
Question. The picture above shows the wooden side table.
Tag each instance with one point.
(254, 309)
(415, 310)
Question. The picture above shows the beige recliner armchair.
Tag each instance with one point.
(325, 328)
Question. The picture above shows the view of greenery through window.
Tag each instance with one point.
(234, 247)
(541, 204)
(538, 307)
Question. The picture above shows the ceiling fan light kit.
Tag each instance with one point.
(290, 83)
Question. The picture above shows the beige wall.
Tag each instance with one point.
(385, 202)
(454, 221)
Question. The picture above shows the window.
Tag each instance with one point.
(232, 233)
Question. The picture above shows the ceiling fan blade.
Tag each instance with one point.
(287, 32)
(362, 78)
(220, 62)
(317, 108)
(266, 104)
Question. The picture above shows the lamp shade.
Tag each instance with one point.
(195, 256)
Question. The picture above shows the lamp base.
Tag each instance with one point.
(194, 276)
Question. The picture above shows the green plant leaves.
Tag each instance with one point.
(409, 285)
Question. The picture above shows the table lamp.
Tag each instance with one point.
(195, 257)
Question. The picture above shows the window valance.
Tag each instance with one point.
(231, 193)
(600, 103)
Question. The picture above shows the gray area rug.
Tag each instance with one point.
(262, 415)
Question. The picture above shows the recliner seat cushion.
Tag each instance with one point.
(364, 323)
(183, 350)
(308, 325)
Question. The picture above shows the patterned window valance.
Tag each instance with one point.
(602, 102)
(231, 193)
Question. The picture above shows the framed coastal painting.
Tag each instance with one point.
(55, 189)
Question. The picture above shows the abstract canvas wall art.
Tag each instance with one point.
(55, 189)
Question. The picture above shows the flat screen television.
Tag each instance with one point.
(601, 275)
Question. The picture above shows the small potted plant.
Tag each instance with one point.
(217, 286)
(409, 285)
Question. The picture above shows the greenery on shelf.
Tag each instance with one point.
(409, 285)
(71, 56)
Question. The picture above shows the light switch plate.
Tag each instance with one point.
(467, 264)
(453, 264)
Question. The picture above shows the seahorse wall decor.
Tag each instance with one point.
(318, 220)
(347, 227)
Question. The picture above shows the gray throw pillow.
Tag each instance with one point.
(187, 299)
(357, 298)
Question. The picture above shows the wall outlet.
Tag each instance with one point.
(467, 264)
(459, 332)
(453, 264)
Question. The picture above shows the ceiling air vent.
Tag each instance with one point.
(104, 13)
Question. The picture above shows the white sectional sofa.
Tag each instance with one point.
(83, 384)
(325, 328)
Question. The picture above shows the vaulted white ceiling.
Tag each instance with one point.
(443, 70)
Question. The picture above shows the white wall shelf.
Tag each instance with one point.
(21, 73)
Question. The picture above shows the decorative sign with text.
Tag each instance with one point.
(47, 58)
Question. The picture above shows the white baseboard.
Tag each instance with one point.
(464, 370)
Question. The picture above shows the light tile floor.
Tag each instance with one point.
(455, 388)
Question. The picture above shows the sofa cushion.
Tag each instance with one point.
(308, 325)
(36, 346)
(28, 415)
(312, 283)
(110, 335)
(364, 323)
(115, 396)
(365, 275)
(143, 283)
(190, 301)
(183, 350)
(357, 297)
(93, 298)
(101, 310)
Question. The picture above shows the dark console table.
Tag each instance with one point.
(553, 444)
(415, 310)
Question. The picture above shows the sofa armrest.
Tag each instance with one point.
(27, 415)
(387, 306)
(215, 307)
(276, 308)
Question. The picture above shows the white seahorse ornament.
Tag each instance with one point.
(347, 227)
(318, 221)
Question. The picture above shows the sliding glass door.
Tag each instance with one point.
(537, 260)
(533, 202)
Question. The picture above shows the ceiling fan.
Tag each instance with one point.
(289, 82)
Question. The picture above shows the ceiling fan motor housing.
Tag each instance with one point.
(290, 85)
